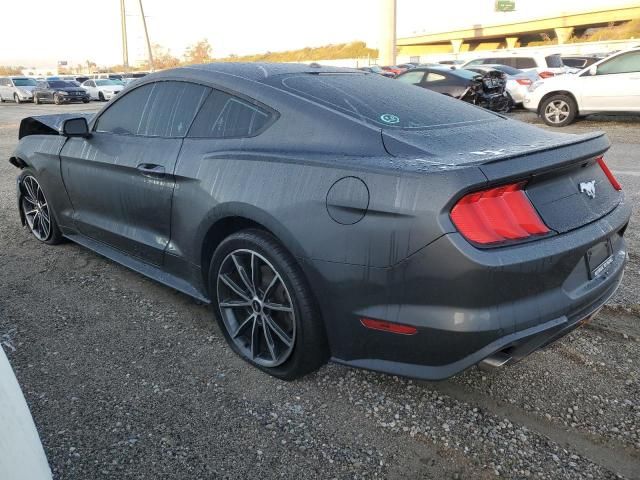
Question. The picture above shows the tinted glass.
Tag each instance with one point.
(58, 84)
(162, 109)
(626, 63)
(411, 77)
(376, 100)
(554, 61)
(24, 82)
(227, 116)
(525, 62)
(574, 62)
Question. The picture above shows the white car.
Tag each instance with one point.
(21, 452)
(610, 85)
(17, 89)
(546, 65)
(102, 89)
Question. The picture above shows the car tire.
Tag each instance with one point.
(265, 307)
(16, 98)
(36, 100)
(558, 110)
(36, 211)
(85, 100)
(57, 100)
(101, 97)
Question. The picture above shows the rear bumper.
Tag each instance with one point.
(466, 303)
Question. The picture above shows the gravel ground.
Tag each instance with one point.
(128, 379)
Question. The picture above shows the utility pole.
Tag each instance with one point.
(146, 34)
(387, 45)
(123, 25)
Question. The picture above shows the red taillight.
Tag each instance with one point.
(388, 326)
(497, 215)
(546, 74)
(609, 174)
(523, 81)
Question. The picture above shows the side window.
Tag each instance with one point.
(411, 77)
(475, 62)
(524, 62)
(435, 77)
(227, 116)
(4, 82)
(161, 109)
(625, 63)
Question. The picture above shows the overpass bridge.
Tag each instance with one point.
(517, 33)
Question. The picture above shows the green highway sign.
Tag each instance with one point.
(505, 5)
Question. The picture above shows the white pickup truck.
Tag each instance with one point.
(611, 85)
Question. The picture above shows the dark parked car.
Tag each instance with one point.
(333, 214)
(59, 91)
(580, 62)
(487, 90)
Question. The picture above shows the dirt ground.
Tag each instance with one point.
(128, 379)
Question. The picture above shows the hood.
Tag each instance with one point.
(475, 143)
(47, 124)
(28, 88)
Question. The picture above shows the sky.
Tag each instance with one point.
(237, 27)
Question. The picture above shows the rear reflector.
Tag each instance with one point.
(497, 215)
(388, 326)
(546, 74)
(609, 174)
(523, 81)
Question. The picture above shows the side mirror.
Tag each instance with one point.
(593, 70)
(76, 127)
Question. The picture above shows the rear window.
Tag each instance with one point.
(380, 101)
(554, 61)
(524, 62)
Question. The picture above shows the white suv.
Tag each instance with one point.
(545, 65)
(610, 85)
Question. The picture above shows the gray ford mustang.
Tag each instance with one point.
(336, 214)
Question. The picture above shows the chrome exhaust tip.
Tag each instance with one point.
(495, 361)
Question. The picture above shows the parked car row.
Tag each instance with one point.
(65, 88)
(551, 85)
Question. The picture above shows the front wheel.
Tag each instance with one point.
(57, 100)
(16, 98)
(37, 211)
(101, 97)
(558, 110)
(36, 100)
(265, 307)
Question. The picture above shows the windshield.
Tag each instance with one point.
(24, 82)
(377, 100)
(59, 84)
(102, 83)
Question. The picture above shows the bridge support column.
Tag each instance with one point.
(511, 42)
(563, 34)
(455, 45)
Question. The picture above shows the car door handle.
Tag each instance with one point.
(151, 170)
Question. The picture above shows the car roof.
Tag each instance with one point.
(261, 71)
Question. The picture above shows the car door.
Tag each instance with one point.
(614, 87)
(89, 86)
(120, 181)
(4, 88)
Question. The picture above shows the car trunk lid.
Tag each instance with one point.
(559, 168)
